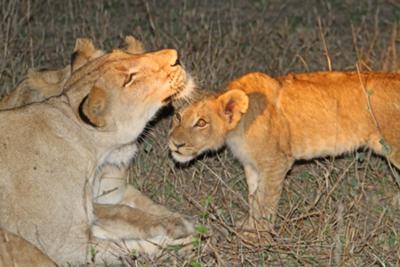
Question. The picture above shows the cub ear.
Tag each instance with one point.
(83, 52)
(133, 45)
(93, 107)
(233, 104)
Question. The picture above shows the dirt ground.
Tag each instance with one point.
(334, 211)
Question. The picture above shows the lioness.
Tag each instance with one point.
(268, 123)
(52, 154)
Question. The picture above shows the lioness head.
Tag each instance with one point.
(204, 125)
(119, 89)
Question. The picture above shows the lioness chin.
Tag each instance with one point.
(268, 123)
(54, 153)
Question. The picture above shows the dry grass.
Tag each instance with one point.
(334, 212)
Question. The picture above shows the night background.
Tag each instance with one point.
(342, 211)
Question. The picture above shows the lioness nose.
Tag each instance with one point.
(174, 57)
(169, 56)
(177, 62)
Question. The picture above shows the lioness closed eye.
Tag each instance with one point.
(269, 123)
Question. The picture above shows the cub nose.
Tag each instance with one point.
(178, 145)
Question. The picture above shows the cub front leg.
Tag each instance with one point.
(265, 183)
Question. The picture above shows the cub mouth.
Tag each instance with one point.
(180, 157)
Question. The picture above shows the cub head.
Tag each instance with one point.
(203, 126)
(123, 91)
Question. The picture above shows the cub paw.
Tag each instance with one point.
(255, 231)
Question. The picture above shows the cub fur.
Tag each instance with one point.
(268, 123)
(54, 153)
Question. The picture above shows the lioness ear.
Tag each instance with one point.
(93, 107)
(47, 82)
(133, 45)
(83, 52)
(233, 104)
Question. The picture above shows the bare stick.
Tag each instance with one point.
(326, 52)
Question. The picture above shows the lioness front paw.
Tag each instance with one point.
(177, 226)
(115, 222)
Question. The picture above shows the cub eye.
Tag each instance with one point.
(200, 123)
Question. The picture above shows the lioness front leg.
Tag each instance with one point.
(111, 187)
(265, 184)
(123, 211)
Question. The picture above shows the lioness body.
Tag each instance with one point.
(53, 154)
(269, 123)
(21, 206)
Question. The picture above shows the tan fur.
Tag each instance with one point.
(288, 118)
(17, 252)
(56, 161)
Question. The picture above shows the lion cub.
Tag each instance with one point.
(268, 123)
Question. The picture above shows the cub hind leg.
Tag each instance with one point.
(389, 148)
(394, 158)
